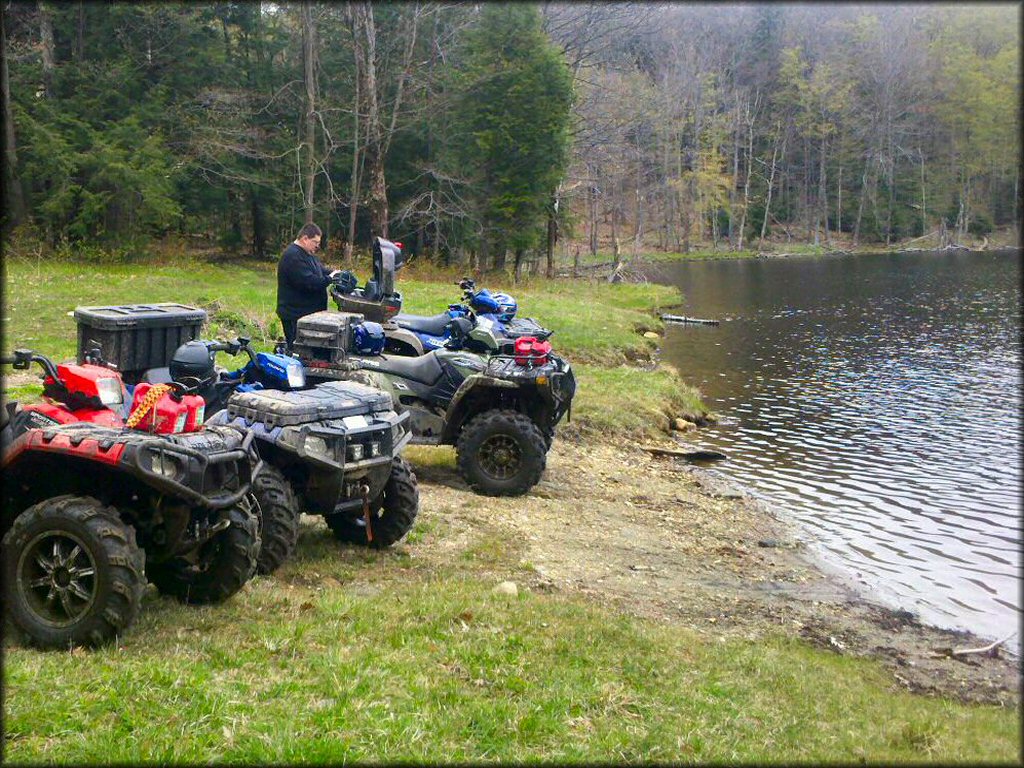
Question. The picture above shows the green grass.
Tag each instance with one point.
(598, 326)
(352, 655)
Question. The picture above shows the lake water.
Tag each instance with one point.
(876, 399)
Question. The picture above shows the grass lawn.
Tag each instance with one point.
(348, 654)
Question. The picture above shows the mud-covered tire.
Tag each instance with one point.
(218, 569)
(279, 512)
(80, 551)
(393, 512)
(501, 453)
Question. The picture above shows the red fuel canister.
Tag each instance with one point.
(529, 351)
(154, 410)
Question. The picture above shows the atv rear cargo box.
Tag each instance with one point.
(135, 337)
(324, 336)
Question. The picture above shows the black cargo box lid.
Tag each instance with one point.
(331, 400)
(158, 315)
(329, 320)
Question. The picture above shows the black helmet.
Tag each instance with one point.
(192, 359)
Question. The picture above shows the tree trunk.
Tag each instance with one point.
(924, 206)
(79, 47)
(259, 225)
(376, 184)
(46, 40)
(518, 271)
(592, 200)
(616, 257)
(860, 204)
(552, 235)
(839, 203)
(15, 201)
(822, 193)
(309, 123)
(746, 182)
(768, 195)
(353, 197)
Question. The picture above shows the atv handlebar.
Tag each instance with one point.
(23, 358)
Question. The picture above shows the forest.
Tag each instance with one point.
(493, 134)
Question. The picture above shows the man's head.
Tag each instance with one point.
(309, 237)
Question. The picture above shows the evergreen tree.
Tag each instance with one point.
(511, 120)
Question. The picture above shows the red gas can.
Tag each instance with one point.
(157, 411)
(531, 352)
(196, 412)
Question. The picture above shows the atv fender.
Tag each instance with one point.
(395, 336)
(452, 424)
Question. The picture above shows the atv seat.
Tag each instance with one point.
(433, 325)
(424, 369)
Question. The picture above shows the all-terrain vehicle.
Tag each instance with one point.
(92, 392)
(332, 450)
(90, 512)
(418, 334)
(499, 411)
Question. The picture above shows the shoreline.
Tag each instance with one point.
(740, 586)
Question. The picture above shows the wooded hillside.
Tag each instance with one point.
(477, 132)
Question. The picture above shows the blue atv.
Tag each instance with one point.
(331, 450)
(418, 334)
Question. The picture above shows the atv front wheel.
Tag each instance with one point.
(501, 453)
(216, 570)
(392, 513)
(73, 573)
(278, 511)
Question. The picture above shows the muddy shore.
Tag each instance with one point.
(662, 539)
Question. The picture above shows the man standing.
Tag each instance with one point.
(301, 280)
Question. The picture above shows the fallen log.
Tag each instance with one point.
(683, 319)
(700, 454)
(991, 650)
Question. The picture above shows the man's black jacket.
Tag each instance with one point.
(301, 283)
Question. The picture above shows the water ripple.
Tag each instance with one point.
(878, 401)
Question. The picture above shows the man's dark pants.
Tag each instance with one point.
(289, 324)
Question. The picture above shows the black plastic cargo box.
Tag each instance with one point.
(324, 336)
(135, 337)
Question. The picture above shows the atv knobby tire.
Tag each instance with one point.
(501, 453)
(73, 572)
(218, 569)
(392, 513)
(278, 510)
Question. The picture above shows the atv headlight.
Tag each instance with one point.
(374, 448)
(355, 452)
(164, 464)
(296, 376)
(110, 391)
(317, 446)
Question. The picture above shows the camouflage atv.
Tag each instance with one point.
(499, 411)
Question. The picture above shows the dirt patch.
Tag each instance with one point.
(667, 541)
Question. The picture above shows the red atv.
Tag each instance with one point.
(94, 393)
(90, 512)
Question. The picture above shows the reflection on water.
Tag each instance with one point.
(877, 398)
